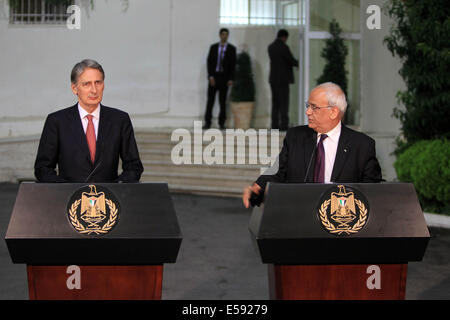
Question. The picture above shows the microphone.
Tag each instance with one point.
(310, 161)
(92, 172)
(256, 199)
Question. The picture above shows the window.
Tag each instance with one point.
(347, 13)
(308, 23)
(39, 11)
(259, 12)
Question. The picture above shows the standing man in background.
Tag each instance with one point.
(281, 75)
(221, 63)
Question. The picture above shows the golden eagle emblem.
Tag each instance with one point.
(93, 213)
(342, 213)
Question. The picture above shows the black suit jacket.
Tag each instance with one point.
(228, 62)
(355, 158)
(63, 143)
(281, 63)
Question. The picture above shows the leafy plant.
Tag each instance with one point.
(427, 165)
(420, 37)
(334, 52)
(243, 85)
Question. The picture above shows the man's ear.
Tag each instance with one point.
(335, 113)
(74, 89)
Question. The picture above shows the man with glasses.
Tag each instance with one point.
(324, 151)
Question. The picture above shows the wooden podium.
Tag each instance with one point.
(308, 259)
(66, 260)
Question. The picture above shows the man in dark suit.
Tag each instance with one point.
(281, 75)
(86, 140)
(221, 63)
(324, 151)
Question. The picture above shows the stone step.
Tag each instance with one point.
(163, 134)
(167, 144)
(163, 144)
(155, 148)
(209, 191)
(165, 155)
(165, 137)
(224, 170)
(202, 180)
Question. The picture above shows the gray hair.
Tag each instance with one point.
(79, 68)
(335, 95)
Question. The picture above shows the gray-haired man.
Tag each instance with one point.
(86, 140)
(324, 151)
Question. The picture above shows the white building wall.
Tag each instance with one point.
(154, 55)
(380, 82)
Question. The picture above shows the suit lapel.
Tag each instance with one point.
(310, 143)
(103, 131)
(77, 131)
(216, 54)
(342, 152)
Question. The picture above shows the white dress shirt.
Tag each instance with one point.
(330, 145)
(84, 119)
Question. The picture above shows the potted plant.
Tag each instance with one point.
(335, 53)
(243, 92)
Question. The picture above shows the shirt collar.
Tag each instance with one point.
(335, 132)
(84, 113)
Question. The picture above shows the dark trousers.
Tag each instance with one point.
(222, 87)
(280, 106)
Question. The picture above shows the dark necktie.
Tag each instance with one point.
(319, 166)
(219, 63)
(90, 136)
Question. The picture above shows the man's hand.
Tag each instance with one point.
(247, 193)
(212, 82)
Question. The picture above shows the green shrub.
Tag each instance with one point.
(334, 53)
(243, 88)
(420, 38)
(427, 165)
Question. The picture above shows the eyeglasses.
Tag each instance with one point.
(313, 107)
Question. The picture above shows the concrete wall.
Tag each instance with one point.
(154, 54)
(255, 41)
(155, 66)
(380, 82)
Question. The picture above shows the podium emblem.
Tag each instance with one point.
(93, 212)
(342, 211)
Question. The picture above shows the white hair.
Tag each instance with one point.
(335, 95)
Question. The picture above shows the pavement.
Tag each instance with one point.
(217, 259)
